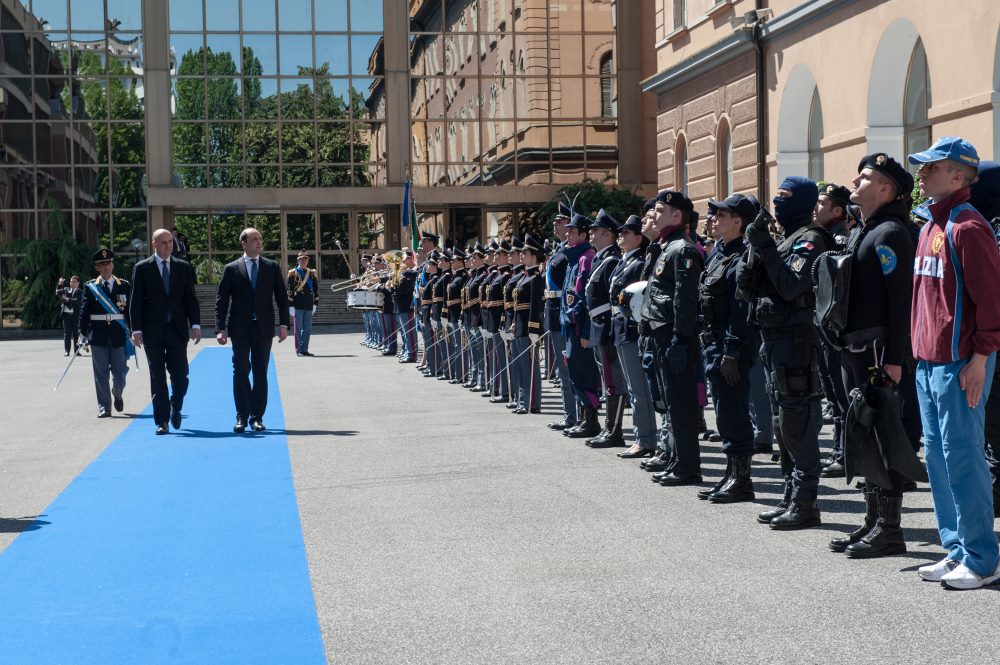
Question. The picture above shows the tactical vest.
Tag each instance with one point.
(770, 310)
(714, 296)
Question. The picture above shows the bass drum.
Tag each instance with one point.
(362, 299)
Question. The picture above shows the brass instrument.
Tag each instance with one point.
(395, 260)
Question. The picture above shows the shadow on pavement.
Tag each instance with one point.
(19, 524)
(317, 432)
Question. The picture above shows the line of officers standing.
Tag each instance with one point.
(641, 314)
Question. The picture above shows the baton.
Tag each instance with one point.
(530, 346)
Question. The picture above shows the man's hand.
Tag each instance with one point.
(729, 368)
(196, 334)
(894, 372)
(972, 377)
(137, 339)
(314, 309)
(584, 343)
(221, 337)
(282, 334)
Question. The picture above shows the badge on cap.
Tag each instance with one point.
(666, 199)
(880, 160)
(829, 189)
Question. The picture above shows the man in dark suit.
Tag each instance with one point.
(164, 307)
(244, 310)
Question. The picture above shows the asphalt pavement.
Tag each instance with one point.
(440, 528)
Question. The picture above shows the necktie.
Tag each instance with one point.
(253, 273)
(165, 273)
(107, 288)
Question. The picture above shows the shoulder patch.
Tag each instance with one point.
(887, 257)
(803, 244)
(797, 262)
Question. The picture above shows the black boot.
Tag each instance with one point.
(703, 494)
(740, 487)
(871, 515)
(579, 422)
(590, 425)
(886, 537)
(800, 515)
(786, 500)
(611, 435)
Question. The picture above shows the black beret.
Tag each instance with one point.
(675, 199)
(648, 205)
(838, 193)
(891, 169)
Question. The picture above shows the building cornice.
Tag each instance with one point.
(739, 43)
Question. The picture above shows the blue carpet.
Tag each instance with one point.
(183, 548)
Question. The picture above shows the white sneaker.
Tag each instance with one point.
(935, 571)
(962, 579)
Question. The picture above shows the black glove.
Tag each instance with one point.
(758, 236)
(677, 357)
(729, 368)
(645, 329)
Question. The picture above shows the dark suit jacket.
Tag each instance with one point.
(237, 301)
(150, 302)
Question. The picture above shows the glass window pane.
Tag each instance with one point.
(260, 98)
(192, 176)
(226, 231)
(128, 143)
(258, 15)
(185, 15)
(366, 16)
(222, 15)
(331, 16)
(195, 227)
(334, 143)
(301, 230)
(262, 175)
(333, 228)
(295, 15)
(188, 51)
(224, 101)
(297, 98)
(130, 242)
(298, 142)
(262, 143)
(260, 55)
(333, 266)
(54, 12)
(87, 15)
(296, 55)
(362, 47)
(128, 13)
(189, 142)
(225, 143)
(224, 55)
(189, 99)
(225, 176)
(331, 99)
(332, 53)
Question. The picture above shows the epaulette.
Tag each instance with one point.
(93, 281)
(291, 271)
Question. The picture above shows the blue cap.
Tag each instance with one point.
(580, 222)
(605, 220)
(949, 147)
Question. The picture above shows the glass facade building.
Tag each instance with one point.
(304, 118)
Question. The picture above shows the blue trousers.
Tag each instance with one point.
(408, 331)
(303, 329)
(643, 416)
(501, 373)
(562, 371)
(961, 486)
(583, 375)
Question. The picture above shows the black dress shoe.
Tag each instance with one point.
(499, 398)
(488, 394)
(453, 382)
(520, 411)
(443, 377)
(629, 454)
(534, 411)
(476, 389)
(403, 361)
(162, 428)
(512, 405)
(561, 424)
(175, 418)
(103, 414)
(257, 425)
(657, 464)
(306, 353)
(674, 480)
(119, 404)
(240, 426)
(833, 470)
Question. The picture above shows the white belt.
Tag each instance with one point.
(656, 324)
(107, 317)
(553, 294)
(621, 311)
(597, 311)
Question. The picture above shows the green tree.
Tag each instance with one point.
(591, 196)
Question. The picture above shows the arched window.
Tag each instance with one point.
(681, 165)
(917, 100)
(724, 178)
(815, 136)
(607, 86)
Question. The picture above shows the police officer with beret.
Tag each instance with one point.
(670, 324)
(876, 339)
(730, 348)
(778, 280)
(104, 319)
(604, 236)
(831, 212)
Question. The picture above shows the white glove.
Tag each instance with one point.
(533, 337)
(291, 311)
(353, 276)
(314, 309)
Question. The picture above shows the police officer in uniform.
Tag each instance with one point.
(527, 325)
(430, 276)
(303, 299)
(501, 387)
(507, 323)
(555, 275)
(778, 280)
(439, 315)
(730, 348)
(456, 346)
(486, 327)
(625, 337)
(472, 313)
(604, 236)
(389, 346)
(877, 336)
(107, 331)
(670, 324)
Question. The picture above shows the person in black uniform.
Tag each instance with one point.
(831, 213)
(456, 338)
(670, 325)
(389, 345)
(250, 288)
(164, 315)
(427, 330)
(730, 348)
(507, 322)
(402, 296)
(104, 318)
(439, 314)
(527, 325)
(625, 337)
(778, 282)
(604, 236)
(486, 318)
(471, 320)
(498, 286)
(877, 336)
(555, 275)
(70, 299)
(303, 299)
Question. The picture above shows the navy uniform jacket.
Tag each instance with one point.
(624, 329)
(485, 314)
(470, 298)
(528, 303)
(598, 294)
(106, 333)
(402, 295)
(555, 275)
(573, 311)
(725, 329)
(672, 294)
(427, 297)
(438, 307)
(454, 302)
(494, 298)
(303, 288)
(508, 297)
